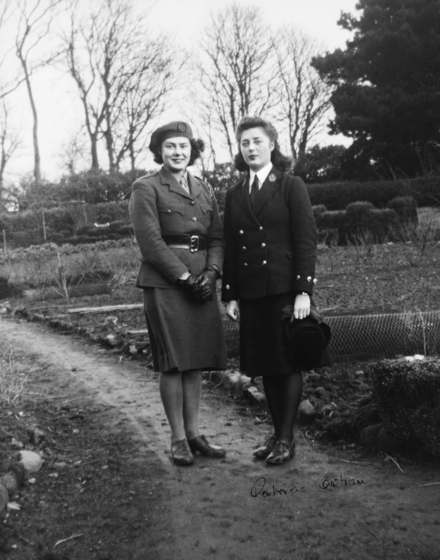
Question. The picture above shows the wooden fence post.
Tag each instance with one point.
(44, 227)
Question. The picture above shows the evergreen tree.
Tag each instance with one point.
(387, 87)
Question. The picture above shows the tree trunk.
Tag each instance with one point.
(94, 151)
(37, 159)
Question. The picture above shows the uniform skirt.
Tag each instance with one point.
(184, 333)
(264, 349)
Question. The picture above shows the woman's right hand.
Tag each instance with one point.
(232, 310)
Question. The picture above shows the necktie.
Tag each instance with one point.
(254, 190)
(184, 184)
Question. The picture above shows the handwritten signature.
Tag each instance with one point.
(260, 489)
(326, 482)
(264, 490)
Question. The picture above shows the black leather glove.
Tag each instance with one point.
(205, 283)
(189, 285)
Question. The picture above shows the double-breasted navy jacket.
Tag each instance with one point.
(159, 206)
(271, 247)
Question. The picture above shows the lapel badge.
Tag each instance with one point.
(272, 177)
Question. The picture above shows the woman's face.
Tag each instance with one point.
(176, 153)
(256, 148)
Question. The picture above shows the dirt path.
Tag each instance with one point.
(318, 507)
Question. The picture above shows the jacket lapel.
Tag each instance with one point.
(194, 186)
(267, 190)
(244, 199)
(167, 178)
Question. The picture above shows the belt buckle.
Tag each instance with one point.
(194, 243)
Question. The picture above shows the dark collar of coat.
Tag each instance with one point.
(268, 188)
(167, 178)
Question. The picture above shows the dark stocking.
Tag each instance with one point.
(283, 394)
(271, 392)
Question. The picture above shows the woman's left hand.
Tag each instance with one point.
(301, 308)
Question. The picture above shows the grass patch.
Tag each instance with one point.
(40, 269)
(13, 379)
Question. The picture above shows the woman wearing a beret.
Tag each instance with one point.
(271, 239)
(180, 236)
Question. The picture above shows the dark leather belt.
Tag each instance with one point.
(191, 242)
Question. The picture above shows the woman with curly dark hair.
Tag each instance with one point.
(269, 267)
(179, 232)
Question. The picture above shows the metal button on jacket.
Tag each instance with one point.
(261, 228)
(264, 262)
(241, 232)
(244, 248)
(263, 244)
(194, 219)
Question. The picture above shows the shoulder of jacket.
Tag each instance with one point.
(144, 180)
(237, 185)
(205, 184)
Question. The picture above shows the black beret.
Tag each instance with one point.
(170, 130)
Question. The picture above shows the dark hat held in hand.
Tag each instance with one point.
(308, 339)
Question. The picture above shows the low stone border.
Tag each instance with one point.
(239, 384)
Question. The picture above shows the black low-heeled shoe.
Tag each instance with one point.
(181, 453)
(200, 445)
(266, 449)
(282, 452)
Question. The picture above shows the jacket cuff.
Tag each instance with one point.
(305, 284)
(229, 293)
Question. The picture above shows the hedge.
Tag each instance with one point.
(408, 396)
(337, 196)
(67, 217)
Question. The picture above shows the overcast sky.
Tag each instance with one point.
(183, 20)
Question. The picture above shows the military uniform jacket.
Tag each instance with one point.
(159, 206)
(271, 247)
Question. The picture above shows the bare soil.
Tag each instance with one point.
(107, 489)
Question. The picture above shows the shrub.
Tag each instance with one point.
(110, 212)
(381, 224)
(329, 220)
(364, 222)
(405, 208)
(319, 209)
(337, 196)
(359, 209)
(28, 238)
(408, 394)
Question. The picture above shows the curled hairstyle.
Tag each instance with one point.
(280, 161)
(197, 148)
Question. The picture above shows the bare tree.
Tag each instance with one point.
(35, 20)
(152, 72)
(74, 153)
(304, 97)
(234, 68)
(9, 142)
(123, 76)
(13, 80)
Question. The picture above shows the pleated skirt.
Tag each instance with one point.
(185, 333)
(264, 348)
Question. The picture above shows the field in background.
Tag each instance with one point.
(352, 278)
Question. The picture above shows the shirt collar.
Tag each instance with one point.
(262, 174)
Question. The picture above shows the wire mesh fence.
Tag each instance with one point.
(371, 336)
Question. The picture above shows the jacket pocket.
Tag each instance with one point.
(169, 209)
